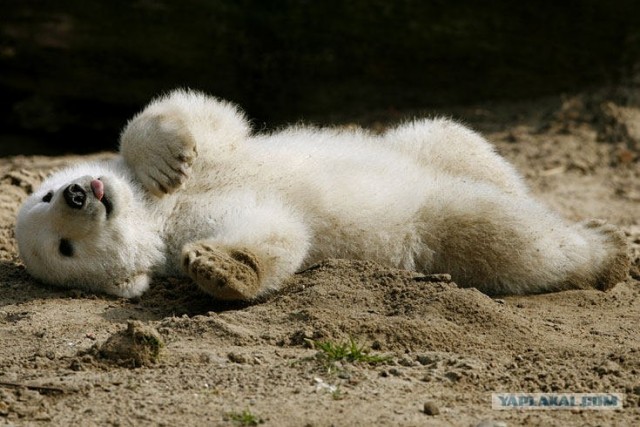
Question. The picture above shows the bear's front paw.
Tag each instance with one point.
(227, 274)
(160, 149)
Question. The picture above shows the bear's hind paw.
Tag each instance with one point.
(616, 262)
(226, 274)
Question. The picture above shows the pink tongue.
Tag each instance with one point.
(98, 188)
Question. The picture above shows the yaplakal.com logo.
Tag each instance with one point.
(593, 401)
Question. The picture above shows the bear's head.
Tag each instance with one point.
(88, 227)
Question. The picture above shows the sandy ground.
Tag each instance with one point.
(69, 358)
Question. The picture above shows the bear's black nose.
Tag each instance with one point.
(75, 196)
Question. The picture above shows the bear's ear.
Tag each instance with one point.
(130, 288)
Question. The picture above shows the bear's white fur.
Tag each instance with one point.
(195, 193)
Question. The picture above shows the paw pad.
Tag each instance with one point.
(225, 274)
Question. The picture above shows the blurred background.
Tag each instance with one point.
(73, 72)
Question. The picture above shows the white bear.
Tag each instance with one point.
(195, 193)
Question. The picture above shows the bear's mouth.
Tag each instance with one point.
(108, 206)
(98, 189)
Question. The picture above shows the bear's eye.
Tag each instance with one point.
(65, 248)
(47, 197)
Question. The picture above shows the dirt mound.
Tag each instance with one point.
(397, 310)
(137, 345)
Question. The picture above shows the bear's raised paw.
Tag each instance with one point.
(160, 149)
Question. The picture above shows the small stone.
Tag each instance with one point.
(430, 408)
(405, 362)
(76, 365)
(237, 358)
(395, 372)
(626, 156)
(453, 375)
(303, 337)
(344, 375)
(424, 359)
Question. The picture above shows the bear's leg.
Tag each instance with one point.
(448, 146)
(501, 244)
(254, 250)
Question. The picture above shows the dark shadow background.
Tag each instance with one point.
(72, 72)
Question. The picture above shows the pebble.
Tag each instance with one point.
(405, 362)
(430, 408)
(424, 359)
(344, 375)
(76, 366)
(237, 358)
(453, 375)
(395, 372)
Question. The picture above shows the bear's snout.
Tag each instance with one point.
(75, 196)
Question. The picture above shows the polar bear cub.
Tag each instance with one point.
(195, 193)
